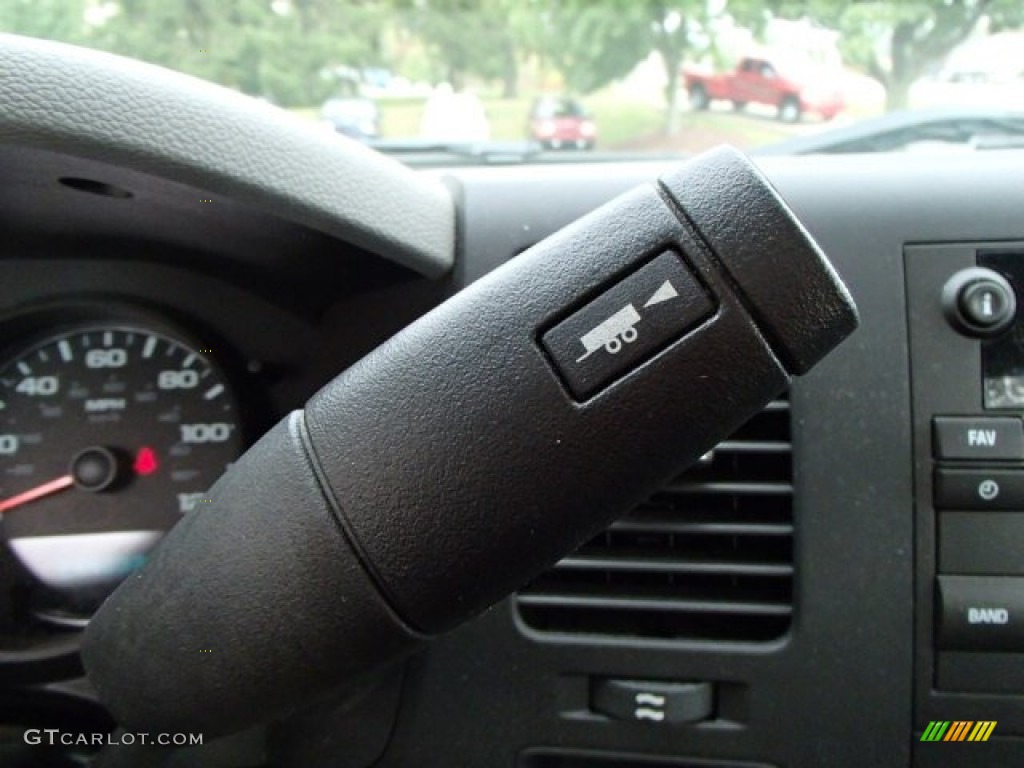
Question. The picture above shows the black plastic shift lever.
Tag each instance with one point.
(473, 450)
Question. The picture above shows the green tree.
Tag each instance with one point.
(671, 27)
(899, 42)
(482, 38)
(285, 50)
(916, 37)
(594, 44)
(62, 20)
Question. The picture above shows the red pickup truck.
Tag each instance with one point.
(759, 81)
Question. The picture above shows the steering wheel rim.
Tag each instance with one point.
(129, 114)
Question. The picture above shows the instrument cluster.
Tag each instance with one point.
(114, 423)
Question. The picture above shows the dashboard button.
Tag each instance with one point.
(981, 543)
(998, 489)
(979, 302)
(979, 613)
(978, 438)
(987, 672)
(627, 324)
(652, 701)
(986, 304)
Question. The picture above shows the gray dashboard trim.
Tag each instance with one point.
(844, 676)
(129, 114)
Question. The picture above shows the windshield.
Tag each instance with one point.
(551, 109)
(539, 78)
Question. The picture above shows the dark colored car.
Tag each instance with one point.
(953, 128)
(558, 122)
(355, 117)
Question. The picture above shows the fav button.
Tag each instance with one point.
(978, 438)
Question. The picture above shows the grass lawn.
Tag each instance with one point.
(702, 130)
(617, 122)
(622, 124)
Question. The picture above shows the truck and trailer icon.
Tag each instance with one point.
(620, 328)
(611, 333)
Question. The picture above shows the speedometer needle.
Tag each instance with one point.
(62, 482)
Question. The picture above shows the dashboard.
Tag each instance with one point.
(802, 597)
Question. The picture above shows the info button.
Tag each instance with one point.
(978, 438)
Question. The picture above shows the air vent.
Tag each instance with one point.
(709, 557)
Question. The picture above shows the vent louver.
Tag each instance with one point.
(709, 557)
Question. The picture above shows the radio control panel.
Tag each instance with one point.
(967, 377)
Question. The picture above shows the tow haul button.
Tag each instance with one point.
(627, 324)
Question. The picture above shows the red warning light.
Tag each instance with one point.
(145, 462)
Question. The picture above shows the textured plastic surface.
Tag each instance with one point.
(981, 543)
(457, 466)
(460, 464)
(845, 670)
(127, 113)
(788, 283)
(249, 608)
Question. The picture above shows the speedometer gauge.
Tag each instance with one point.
(108, 435)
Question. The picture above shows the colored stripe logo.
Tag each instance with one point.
(958, 730)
